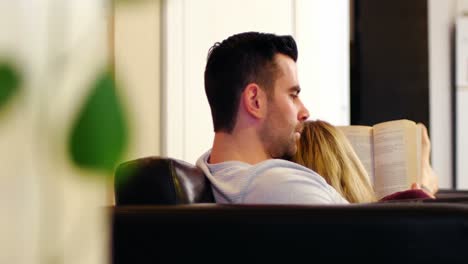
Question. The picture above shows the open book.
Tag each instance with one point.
(390, 152)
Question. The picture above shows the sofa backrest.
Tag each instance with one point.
(214, 233)
(160, 181)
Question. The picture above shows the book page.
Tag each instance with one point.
(360, 138)
(395, 156)
(418, 153)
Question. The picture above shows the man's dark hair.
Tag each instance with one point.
(234, 63)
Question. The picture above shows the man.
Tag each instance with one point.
(253, 91)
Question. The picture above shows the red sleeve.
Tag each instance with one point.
(404, 195)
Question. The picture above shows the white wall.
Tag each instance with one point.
(442, 15)
(322, 34)
(190, 28)
(137, 65)
(461, 90)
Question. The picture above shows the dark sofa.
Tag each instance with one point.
(165, 213)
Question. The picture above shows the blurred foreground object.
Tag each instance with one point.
(58, 71)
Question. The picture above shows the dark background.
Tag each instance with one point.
(389, 61)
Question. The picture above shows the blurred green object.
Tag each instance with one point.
(100, 133)
(10, 81)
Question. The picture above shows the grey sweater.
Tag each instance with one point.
(273, 181)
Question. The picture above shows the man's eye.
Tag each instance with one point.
(294, 96)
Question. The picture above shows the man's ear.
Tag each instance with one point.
(254, 100)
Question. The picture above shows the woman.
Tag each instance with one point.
(326, 150)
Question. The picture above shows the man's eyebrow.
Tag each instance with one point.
(295, 88)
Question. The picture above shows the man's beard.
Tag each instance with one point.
(277, 147)
(289, 150)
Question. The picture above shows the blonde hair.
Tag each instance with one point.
(326, 150)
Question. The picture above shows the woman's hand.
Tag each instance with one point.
(416, 186)
(429, 179)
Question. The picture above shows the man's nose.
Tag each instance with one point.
(303, 114)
